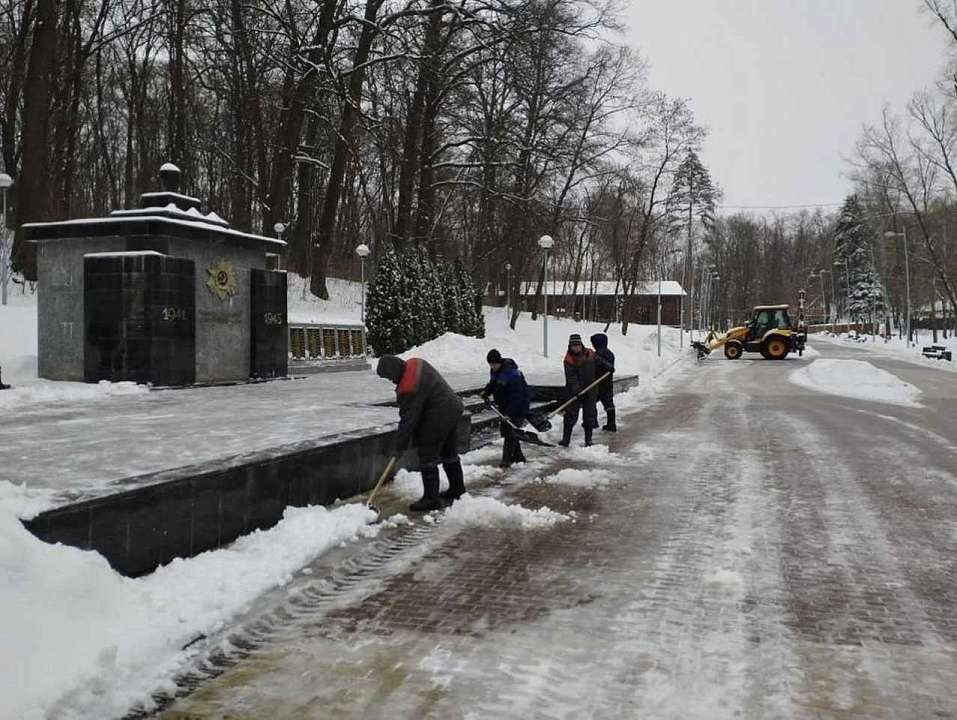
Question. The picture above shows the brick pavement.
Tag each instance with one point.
(770, 559)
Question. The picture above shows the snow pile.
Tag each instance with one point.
(593, 455)
(408, 483)
(29, 391)
(580, 478)
(81, 640)
(635, 353)
(856, 379)
(472, 511)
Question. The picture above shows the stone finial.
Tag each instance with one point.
(169, 177)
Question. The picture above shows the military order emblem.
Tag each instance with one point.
(222, 279)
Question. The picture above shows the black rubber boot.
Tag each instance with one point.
(610, 422)
(587, 437)
(453, 471)
(430, 492)
(566, 435)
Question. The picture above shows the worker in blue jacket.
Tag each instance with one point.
(509, 391)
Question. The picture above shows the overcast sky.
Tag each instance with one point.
(784, 86)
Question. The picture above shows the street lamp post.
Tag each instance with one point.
(279, 228)
(546, 243)
(6, 246)
(847, 292)
(833, 301)
(823, 291)
(903, 234)
(508, 289)
(715, 304)
(363, 252)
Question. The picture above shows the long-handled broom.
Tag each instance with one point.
(375, 490)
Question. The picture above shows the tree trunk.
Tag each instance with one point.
(298, 93)
(34, 198)
(347, 125)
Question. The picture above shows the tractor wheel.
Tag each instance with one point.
(775, 348)
(733, 350)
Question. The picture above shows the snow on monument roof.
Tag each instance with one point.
(195, 224)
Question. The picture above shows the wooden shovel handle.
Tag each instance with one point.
(561, 407)
(385, 474)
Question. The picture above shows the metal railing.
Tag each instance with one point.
(308, 341)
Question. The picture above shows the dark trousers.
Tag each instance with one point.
(511, 447)
(445, 450)
(606, 396)
(589, 411)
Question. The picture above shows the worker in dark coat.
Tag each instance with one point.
(509, 391)
(580, 366)
(605, 360)
(429, 413)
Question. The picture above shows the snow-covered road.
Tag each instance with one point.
(761, 550)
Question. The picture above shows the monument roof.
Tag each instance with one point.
(167, 212)
(150, 224)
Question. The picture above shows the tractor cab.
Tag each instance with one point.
(767, 318)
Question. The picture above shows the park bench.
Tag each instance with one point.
(938, 352)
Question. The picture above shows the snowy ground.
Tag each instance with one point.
(856, 379)
(897, 347)
(81, 641)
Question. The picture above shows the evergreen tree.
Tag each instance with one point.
(472, 320)
(853, 238)
(452, 310)
(388, 318)
(692, 201)
(433, 297)
(693, 196)
(414, 296)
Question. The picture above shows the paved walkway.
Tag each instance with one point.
(79, 448)
(765, 552)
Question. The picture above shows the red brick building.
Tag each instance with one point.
(600, 302)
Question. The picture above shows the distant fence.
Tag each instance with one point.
(309, 341)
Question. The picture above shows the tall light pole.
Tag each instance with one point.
(546, 243)
(716, 306)
(820, 274)
(363, 252)
(847, 292)
(6, 246)
(508, 288)
(903, 234)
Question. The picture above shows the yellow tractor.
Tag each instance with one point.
(770, 333)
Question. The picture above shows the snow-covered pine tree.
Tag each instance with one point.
(433, 297)
(414, 298)
(853, 238)
(390, 331)
(472, 322)
(453, 300)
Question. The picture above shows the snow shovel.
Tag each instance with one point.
(375, 490)
(525, 436)
(544, 423)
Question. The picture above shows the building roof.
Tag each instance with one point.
(604, 287)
